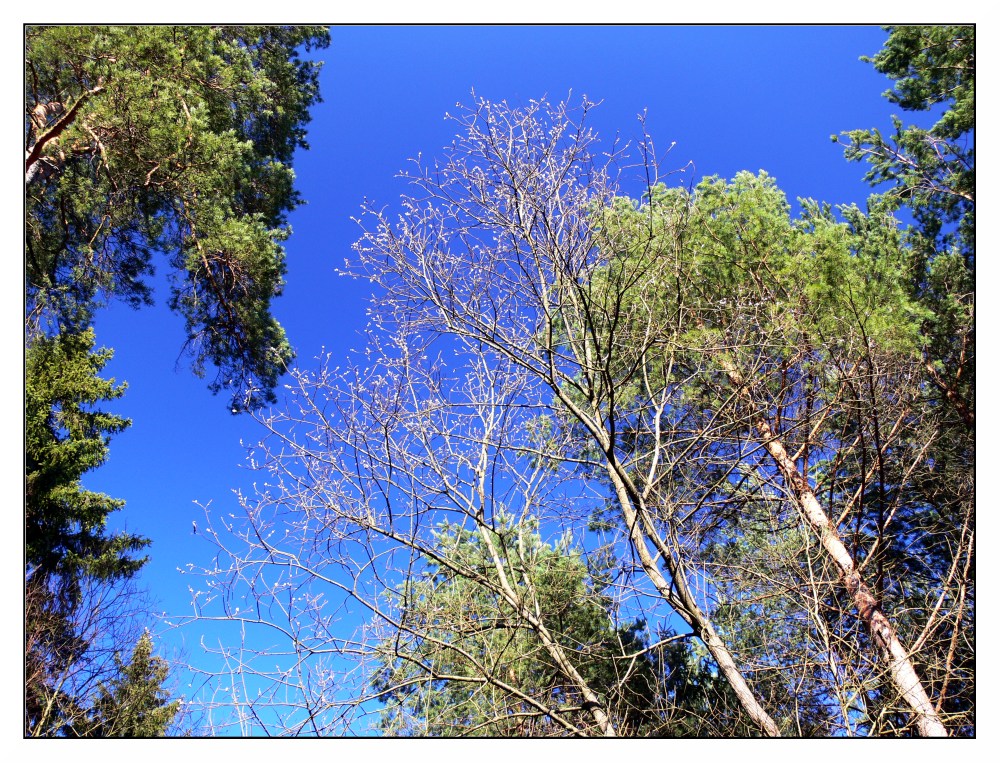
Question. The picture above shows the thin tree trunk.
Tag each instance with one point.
(680, 598)
(591, 701)
(678, 595)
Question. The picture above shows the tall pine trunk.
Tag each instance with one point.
(903, 675)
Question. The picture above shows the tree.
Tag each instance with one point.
(134, 703)
(930, 174)
(782, 353)
(65, 437)
(493, 261)
(70, 652)
(931, 171)
(732, 403)
(68, 552)
(456, 628)
(172, 139)
(388, 462)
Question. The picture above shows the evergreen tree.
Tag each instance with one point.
(464, 663)
(134, 703)
(67, 547)
(794, 350)
(65, 437)
(930, 173)
(176, 140)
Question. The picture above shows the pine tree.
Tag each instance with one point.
(793, 350)
(464, 663)
(931, 176)
(173, 139)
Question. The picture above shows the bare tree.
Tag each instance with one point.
(354, 512)
(674, 381)
(474, 354)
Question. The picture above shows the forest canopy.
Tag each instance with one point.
(621, 454)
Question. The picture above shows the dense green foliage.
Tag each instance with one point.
(718, 311)
(931, 174)
(65, 437)
(469, 664)
(172, 139)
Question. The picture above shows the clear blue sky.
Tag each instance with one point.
(732, 98)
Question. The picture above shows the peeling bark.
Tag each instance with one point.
(33, 154)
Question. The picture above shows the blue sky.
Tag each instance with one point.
(731, 98)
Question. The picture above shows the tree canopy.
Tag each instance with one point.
(622, 456)
(459, 629)
(168, 139)
(134, 703)
(931, 174)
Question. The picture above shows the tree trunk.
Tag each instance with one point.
(904, 676)
(680, 598)
(679, 594)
